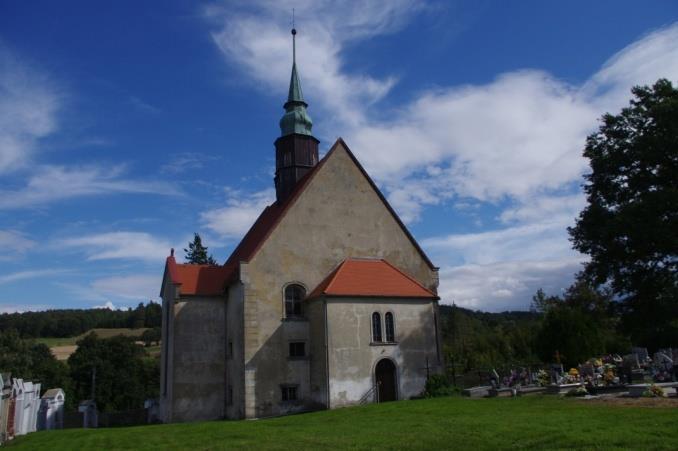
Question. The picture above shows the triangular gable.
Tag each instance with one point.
(269, 219)
(370, 278)
(273, 214)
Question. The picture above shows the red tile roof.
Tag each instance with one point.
(271, 216)
(199, 280)
(370, 278)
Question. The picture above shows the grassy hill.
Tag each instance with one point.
(529, 422)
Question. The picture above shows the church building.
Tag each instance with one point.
(327, 301)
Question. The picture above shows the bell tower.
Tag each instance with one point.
(296, 150)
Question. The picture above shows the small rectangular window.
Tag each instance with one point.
(289, 392)
(297, 349)
(229, 351)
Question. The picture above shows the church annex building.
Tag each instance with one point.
(328, 300)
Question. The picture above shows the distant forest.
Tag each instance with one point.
(71, 323)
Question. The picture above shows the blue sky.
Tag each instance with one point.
(127, 126)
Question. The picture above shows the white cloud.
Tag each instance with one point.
(187, 161)
(539, 207)
(504, 285)
(501, 269)
(119, 245)
(29, 274)
(108, 305)
(52, 183)
(520, 134)
(538, 241)
(240, 213)
(143, 106)
(324, 28)
(641, 63)
(116, 292)
(14, 244)
(29, 103)
(21, 308)
(131, 287)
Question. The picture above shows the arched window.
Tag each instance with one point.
(294, 294)
(390, 327)
(376, 327)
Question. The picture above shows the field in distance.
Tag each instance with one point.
(62, 348)
(534, 422)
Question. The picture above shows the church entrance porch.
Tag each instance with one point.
(385, 376)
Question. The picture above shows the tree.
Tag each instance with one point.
(125, 376)
(34, 362)
(153, 315)
(196, 253)
(137, 318)
(151, 336)
(630, 226)
(579, 326)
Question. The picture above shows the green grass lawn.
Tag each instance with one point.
(537, 422)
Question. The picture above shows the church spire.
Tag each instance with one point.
(296, 150)
(295, 119)
(295, 94)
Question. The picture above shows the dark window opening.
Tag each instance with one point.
(390, 327)
(376, 327)
(297, 349)
(294, 295)
(230, 350)
(289, 392)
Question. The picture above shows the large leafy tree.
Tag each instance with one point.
(630, 226)
(125, 375)
(33, 362)
(197, 253)
(579, 325)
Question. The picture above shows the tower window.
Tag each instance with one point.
(289, 392)
(376, 327)
(297, 349)
(389, 325)
(294, 294)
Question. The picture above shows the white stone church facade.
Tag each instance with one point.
(327, 301)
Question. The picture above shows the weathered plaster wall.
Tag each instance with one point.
(337, 216)
(267, 363)
(199, 359)
(169, 293)
(352, 355)
(235, 367)
(315, 311)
